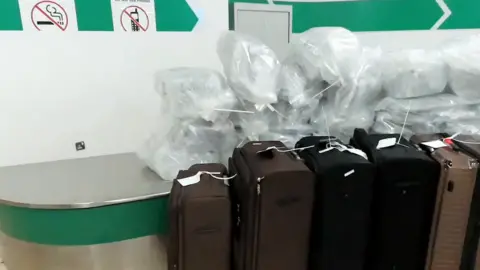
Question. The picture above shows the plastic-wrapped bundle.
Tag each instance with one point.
(291, 124)
(360, 90)
(295, 87)
(186, 143)
(463, 59)
(456, 113)
(427, 103)
(250, 66)
(193, 93)
(385, 122)
(330, 53)
(467, 127)
(414, 73)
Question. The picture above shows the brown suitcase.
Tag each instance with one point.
(273, 193)
(452, 209)
(200, 220)
(470, 145)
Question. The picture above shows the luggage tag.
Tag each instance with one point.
(349, 173)
(385, 143)
(187, 181)
(435, 144)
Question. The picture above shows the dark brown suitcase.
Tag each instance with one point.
(273, 193)
(452, 209)
(470, 144)
(200, 220)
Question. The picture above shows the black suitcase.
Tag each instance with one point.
(403, 202)
(341, 213)
(471, 253)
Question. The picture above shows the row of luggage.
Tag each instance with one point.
(380, 202)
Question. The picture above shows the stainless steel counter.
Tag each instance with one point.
(107, 212)
(80, 183)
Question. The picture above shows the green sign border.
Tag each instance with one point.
(90, 226)
(378, 15)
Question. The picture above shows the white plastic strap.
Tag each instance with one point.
(284, 150)
(235, 111)
(194, 179)
(340, 147)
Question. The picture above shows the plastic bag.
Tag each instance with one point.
(330, 53)
(194, 93)
(467, 127)
(386, 123)
(186, 143)
(295, 86)
(414, 73)
(360, 90)
(427, 103)
(250, 66)
(463, 59)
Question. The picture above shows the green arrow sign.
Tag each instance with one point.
(383, 15)
(465, 14)
(10, 19)
(102, 13)
(174, 15)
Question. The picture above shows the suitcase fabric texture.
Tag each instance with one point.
(200, 220)
(471, 253)
(403, 202)
(452, 208)
(272, 195)
(341, 213)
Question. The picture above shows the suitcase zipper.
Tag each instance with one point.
(180, 229)
(258, 207)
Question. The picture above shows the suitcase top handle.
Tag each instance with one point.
(269, 152)
(194, 179)
(342, 147)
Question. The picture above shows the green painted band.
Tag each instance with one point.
(90, 226)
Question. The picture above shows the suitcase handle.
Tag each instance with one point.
(268, 153)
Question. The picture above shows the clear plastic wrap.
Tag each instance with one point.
(193, 93)
(295, 87)
(427, 103)
(361, 89)
(184, 144)
(330, 53)
(386, 123)
(463, 59)
(414, 73)
(250, 66)
(467, 127)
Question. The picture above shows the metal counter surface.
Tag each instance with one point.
(88, 201)
(80, 183)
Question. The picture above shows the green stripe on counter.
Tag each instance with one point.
(90, 226)
(10, 18)
(94, 15)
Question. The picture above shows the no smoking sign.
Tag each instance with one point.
(49, 16)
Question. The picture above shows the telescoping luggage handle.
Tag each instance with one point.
(194, 179)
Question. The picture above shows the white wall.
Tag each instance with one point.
(97, 87)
